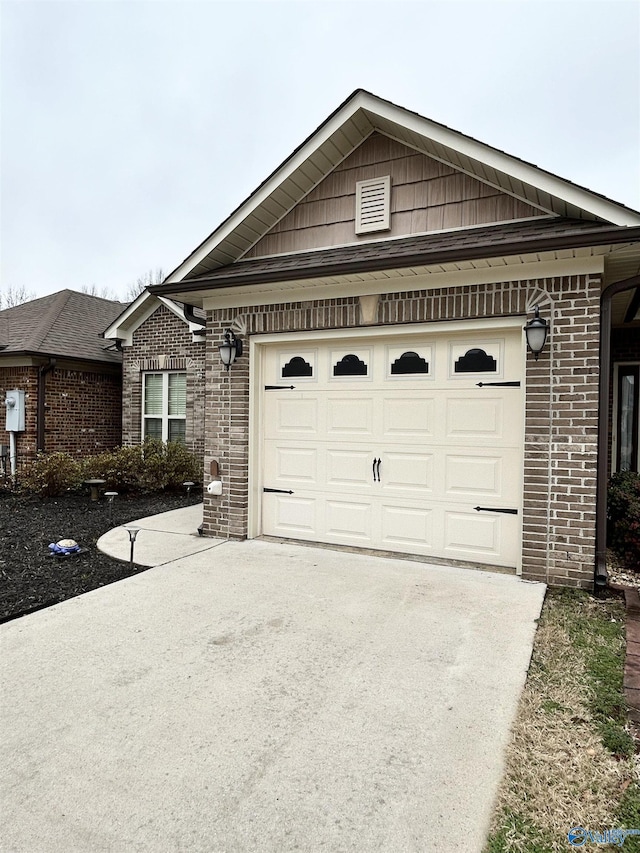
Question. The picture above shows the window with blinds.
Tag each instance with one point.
(373, 205)
(164, 406)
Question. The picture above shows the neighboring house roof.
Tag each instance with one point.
(134, 315)
(66, 324)
(336, 138)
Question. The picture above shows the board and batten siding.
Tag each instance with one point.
(425, 196)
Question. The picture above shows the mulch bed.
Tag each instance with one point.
(30, 578)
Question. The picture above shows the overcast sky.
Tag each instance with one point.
(131, 129)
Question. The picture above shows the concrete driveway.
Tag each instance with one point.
(264, 697)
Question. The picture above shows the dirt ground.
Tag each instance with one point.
(30, 578)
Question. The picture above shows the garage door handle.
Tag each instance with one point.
(376, 470)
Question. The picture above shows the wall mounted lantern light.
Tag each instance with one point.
(230, 349)
(536, 332)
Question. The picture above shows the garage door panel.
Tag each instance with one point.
(408, 416)
(407, 471)
(349, 468)
(291, 416)
(291, 515)
(292, 464)
(348, 520)
(471, 533)
(349, 416)
(477, 418)
(482, 474)
(406, 528)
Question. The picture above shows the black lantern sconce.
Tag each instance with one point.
(536, 332)
(230, 349)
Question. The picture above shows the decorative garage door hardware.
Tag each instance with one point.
(279, 387)
(279, 491)
(376, 470)
(495, 509)
(498, 384)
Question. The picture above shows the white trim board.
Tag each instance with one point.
(297, 291)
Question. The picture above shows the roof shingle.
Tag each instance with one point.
(65, 324)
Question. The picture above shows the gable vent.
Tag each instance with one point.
(373, 205)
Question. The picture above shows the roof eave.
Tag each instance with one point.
(438, 256)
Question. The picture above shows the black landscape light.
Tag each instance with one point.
(110, 496)
(133, 532)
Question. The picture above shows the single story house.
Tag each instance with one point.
(374, 291)
(52, 350)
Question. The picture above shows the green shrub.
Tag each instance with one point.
(52, 474)
(121, 469)
(150, 467)
(623, 514)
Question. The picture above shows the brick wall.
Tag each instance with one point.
(83, 411)
(561, 400)
(163, 342)
(25, 379)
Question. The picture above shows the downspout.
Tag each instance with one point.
(190, 315)
(42, 383)
(600, 575)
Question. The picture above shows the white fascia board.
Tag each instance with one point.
(260, 196)
(512, 270)
(544, 181)
(137, 313)
(127, 322)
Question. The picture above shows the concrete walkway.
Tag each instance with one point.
(264, 697)
(161, 538)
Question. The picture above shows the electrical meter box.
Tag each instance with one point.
(14, 404)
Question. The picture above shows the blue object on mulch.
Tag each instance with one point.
(61, 551)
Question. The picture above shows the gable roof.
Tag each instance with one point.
(143, 306)
(65, 324)
(342, 132)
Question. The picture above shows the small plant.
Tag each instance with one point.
(52, 474)
(623, 514)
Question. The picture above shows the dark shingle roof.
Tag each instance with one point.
(65, 324)
(443, 247)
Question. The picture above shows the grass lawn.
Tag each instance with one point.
(572, 761)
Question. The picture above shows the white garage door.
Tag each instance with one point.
(415, 449)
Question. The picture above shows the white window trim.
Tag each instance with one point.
(165, 416)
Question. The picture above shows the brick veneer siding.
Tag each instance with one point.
(83, 411)
(163, 342)
(25, 379)
(560, 444)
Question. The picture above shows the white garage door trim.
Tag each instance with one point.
(405, 334)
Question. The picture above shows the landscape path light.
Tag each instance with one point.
(133, 532)
(110, 496)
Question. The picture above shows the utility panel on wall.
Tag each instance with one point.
(14, 404)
